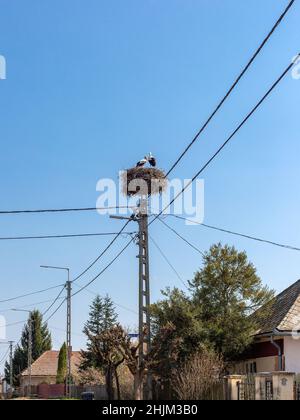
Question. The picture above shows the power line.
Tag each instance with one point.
(63, 330)
(181, 237)
(102, 253)
(253, 238)
(30, 294)
(168, 261)
(27, 306)
(56, 310)
(230, 137)
(115, 303)
(58, 297)
(64, 210)
(4, 357)
(232, 87)
(61, 210)
(106, 267)
(79, 235)
(15, 323)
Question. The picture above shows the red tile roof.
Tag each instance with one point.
(46, 364)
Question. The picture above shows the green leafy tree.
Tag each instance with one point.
(62, 365)
(177, 333)
(41, 342)
(215, 316)
(177, 309)
(224, 293)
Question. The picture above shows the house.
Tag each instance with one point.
(44, 369)
(276, 345)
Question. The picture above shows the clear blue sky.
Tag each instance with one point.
(94, 85)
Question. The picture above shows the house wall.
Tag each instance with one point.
(263, 355)
(292, 354)
(267, 364)
(263, 364)
(37, 380)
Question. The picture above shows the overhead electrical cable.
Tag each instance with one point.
(77, 235)
(58, 297)
(63, 210)
(105, 268)
(233, 86)
(114, 302)
(168, 261)
(102, 253)
(181, 237)
(230, 232)
(56, 310)
(31, 294)
(257, 106)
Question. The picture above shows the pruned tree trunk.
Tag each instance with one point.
(138, 386)
(117, 384)
(109, 383)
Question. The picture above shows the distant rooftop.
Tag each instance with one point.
(46, 364)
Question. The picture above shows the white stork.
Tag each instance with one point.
(151, 159)
(142, 162)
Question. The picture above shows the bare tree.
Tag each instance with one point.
(105, 347)
(90, 376)
(114, 347)
(197, 378)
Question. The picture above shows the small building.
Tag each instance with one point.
(276, 345)
(44, 370)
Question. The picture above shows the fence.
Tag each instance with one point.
(99, 391)
(263, 386)
(246, 389)
(216, 392)
(297, 388)
(163, 390)
(46, 391)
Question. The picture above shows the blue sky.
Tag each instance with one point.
(94, 85)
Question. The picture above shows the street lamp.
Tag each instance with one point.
(29, 347)
(69, 343)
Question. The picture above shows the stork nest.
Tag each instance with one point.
(144, 181)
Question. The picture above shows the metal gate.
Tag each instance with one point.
(246, 389)
(297, 388)
(269, 390)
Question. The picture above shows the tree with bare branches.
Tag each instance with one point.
(198, 376)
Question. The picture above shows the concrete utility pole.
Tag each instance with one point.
(11, 343)
(144, 291)
(29, 353)
(68, 286)
(69, 335)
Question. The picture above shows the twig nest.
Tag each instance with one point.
(144, 181)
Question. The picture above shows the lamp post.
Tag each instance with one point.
(68, 286)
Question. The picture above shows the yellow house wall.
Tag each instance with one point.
(263, 364)
(267, 364)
